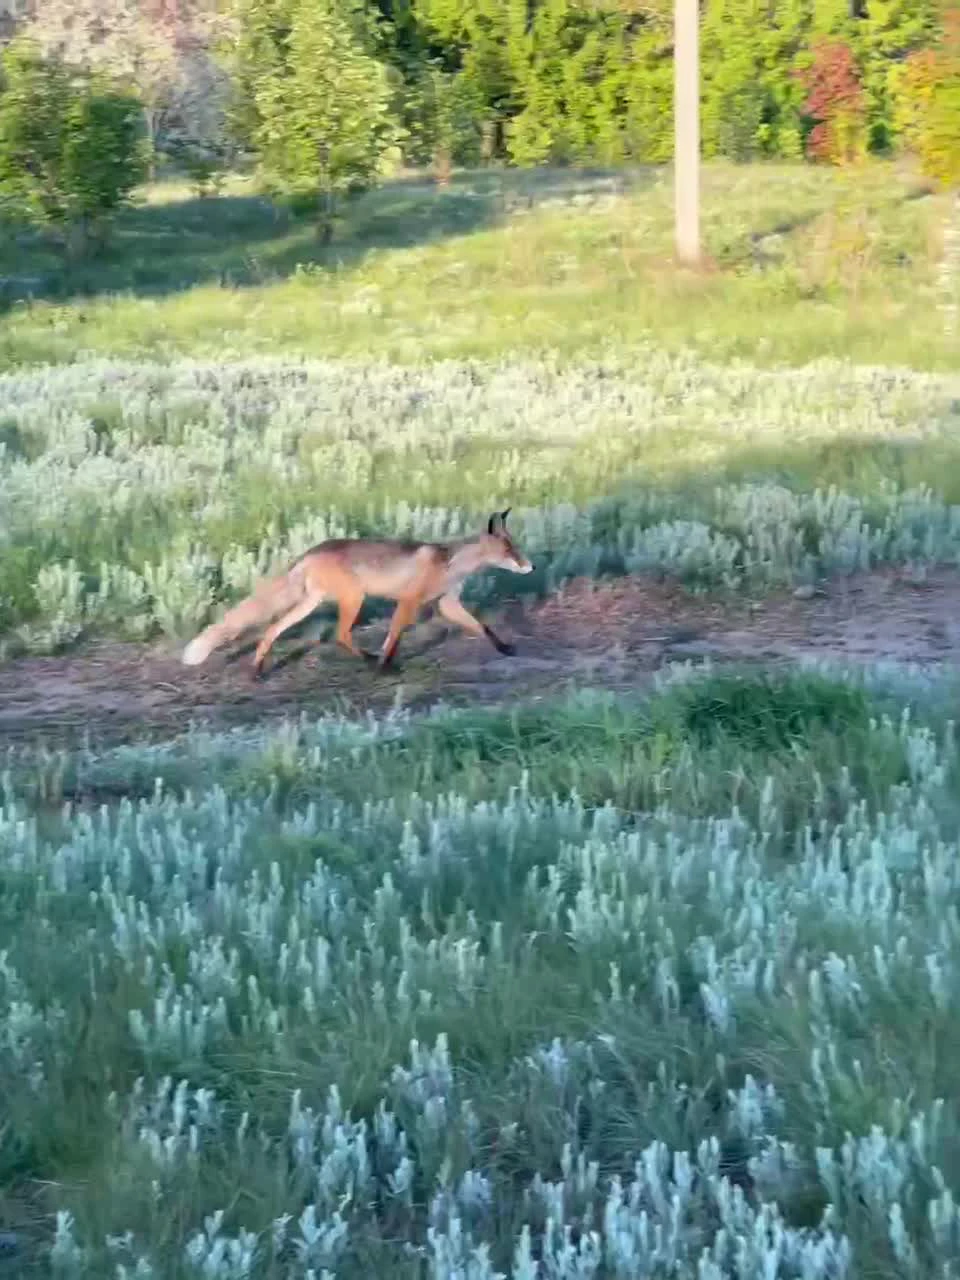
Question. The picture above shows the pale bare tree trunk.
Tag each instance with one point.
(949, 280)
(442, 165)
(686, 116)
(150, 123)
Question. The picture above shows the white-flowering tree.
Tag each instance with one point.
(12, 14)
(195, 129)
(161, 49)
(118, 38)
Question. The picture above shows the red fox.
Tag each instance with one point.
(349, 569)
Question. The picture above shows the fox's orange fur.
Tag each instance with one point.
(347, 570)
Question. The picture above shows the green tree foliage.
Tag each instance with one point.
(928, 103)
(591, 81)
(484, 38)
(883, 38)
(941, 148)
(443, 119)
(648, 91)
(583, 80)
(320, 106)
(572, 70)
(736, 105)
(71, 149)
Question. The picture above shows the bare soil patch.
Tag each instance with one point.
(614, 634)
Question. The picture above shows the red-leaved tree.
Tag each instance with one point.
(835, 102)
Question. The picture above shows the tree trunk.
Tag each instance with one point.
(949, 274)
(442, 165)
(325, 189)
(77, 240)
(327, 209)
(151, 127)
(491, 140)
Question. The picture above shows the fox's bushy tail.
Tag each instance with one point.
(274, 596)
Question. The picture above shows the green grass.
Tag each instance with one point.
(473, 988)
(167, 486)
(170, 488)
(508, 880)
(805, 263)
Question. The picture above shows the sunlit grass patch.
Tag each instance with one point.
(805, 264)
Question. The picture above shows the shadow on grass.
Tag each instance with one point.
(764, 247)
(243, 241)
(860, 467)
(855, 466)
(647, 490)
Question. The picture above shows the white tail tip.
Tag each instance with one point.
(196, 652)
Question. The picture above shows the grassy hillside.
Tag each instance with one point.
(805, 263)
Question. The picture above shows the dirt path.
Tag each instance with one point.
(615, 634)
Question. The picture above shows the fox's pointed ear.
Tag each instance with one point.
(504, 514)
(495, 523)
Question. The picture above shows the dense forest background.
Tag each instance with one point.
(322, 96)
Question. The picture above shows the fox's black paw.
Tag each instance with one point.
(501, 646)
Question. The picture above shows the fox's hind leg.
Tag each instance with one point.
(274, 632)
(404, 616)
(349, 610)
